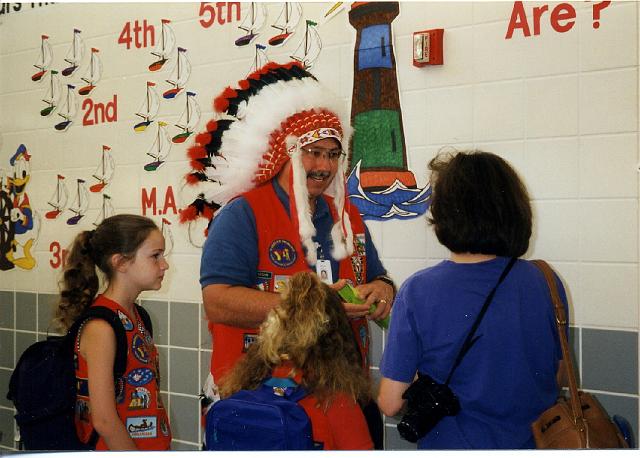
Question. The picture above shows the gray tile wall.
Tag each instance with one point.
(7, 312)
(607, 361)
(610, 361)
(26, 315)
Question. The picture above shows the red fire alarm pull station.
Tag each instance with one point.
(427, 47)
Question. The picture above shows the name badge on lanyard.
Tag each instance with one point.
(323, 269)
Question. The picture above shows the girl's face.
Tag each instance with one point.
(148, 266)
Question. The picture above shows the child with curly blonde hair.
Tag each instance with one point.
(307, 340)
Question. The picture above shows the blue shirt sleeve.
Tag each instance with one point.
(400, 357)
(230, 253)
(374, 266)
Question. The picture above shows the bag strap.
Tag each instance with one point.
(561, 322)
(108, 315)
(470, 340)
(122, 347)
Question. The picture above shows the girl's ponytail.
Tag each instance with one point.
(80, 282)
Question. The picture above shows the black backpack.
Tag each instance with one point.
(43, 385)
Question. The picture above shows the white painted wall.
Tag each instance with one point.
(561, 107)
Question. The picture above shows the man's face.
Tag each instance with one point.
(320, 161)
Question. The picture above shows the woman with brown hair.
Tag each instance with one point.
(480, 211)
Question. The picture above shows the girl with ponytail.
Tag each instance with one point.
(127, 251)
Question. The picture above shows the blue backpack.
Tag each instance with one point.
(43, 385)
(267, 418)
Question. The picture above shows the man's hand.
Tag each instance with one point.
(376, 291)
(353, 310)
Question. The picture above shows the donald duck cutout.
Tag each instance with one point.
(17, 239)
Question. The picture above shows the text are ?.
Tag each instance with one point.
(561, 18)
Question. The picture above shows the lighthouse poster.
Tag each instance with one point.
(380, 184)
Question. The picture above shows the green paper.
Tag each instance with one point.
(349, 294)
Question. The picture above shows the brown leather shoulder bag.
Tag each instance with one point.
(580, 421)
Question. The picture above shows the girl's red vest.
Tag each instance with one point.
(280, 255)
(138, 399)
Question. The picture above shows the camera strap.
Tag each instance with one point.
(470, 339)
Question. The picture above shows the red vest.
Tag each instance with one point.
(138, 401)
(280, 255)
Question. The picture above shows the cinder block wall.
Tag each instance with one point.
(560, 104)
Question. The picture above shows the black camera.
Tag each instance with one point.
(427, 402)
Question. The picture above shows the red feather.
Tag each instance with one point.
(254, 76)
(221, 103)
(203, 138)
(212, 125)
(196, 152)
(188, 214)
(207, 212)
(192, 179)
(197, 165)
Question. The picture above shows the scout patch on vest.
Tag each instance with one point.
(126, 322)
(356, 264)
(281, 283)
(264, 280)
(140, 376)
(282, 253)
(82, 410)
(139, 349)
(141, 427)
(359, 244)
(82, 387)
(140, 399)
(358, 257)
(247, 340)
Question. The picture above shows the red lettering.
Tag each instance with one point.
(209, 13)
(563, 12)
(207, 9)
(87, 104)
(537, 14)
(125, 35)
(59, 255)
(169, 202)
(237, 7)
(518, 21)
(149, 201)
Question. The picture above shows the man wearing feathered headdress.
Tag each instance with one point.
(275, 161)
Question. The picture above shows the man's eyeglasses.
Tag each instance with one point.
(333, 155)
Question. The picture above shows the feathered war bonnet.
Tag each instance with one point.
(260, 125)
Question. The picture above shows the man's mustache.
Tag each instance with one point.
(319, 174)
